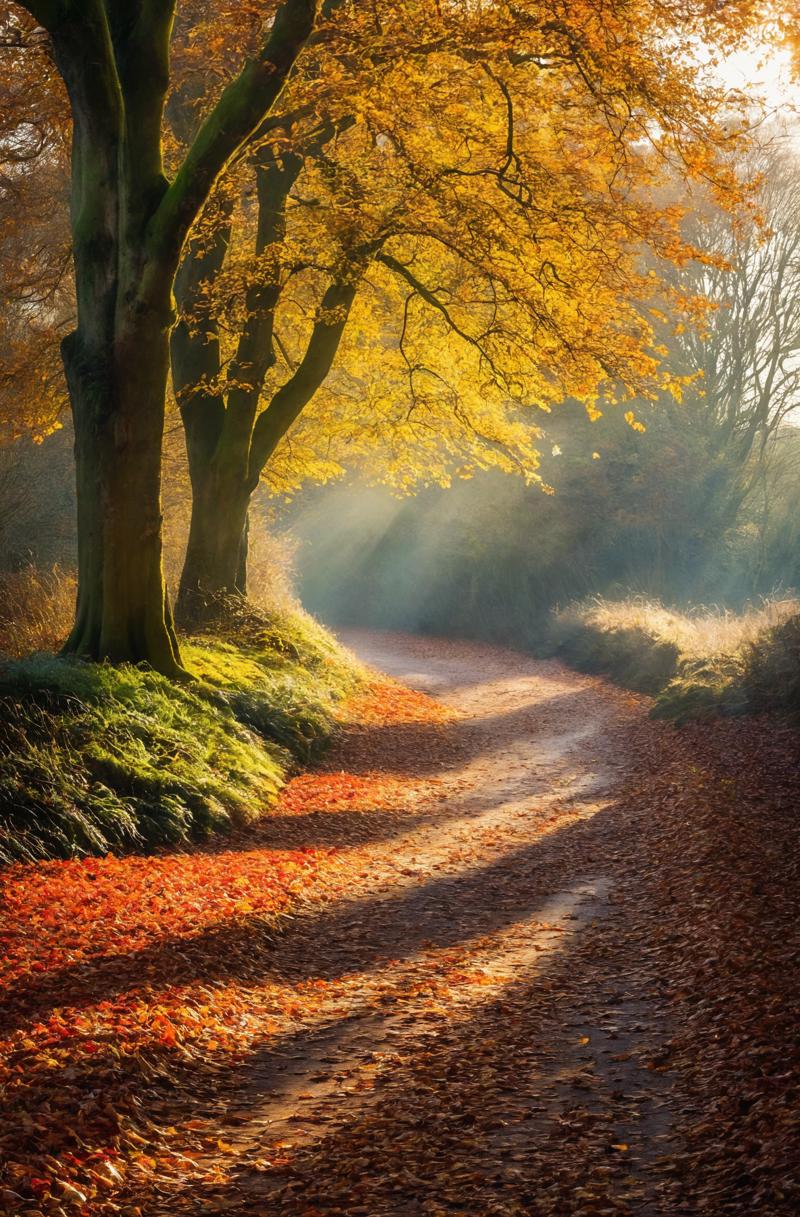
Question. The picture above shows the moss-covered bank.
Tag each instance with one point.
(95, 758)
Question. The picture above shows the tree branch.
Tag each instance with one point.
(235, 117)
(431, 298)
(293, 396)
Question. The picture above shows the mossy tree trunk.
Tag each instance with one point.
(129, 226)
(116, 361)
(122, 610)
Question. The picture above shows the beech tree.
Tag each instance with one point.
(228, 440)
(407, 197)
(129, 224)
(453, 259)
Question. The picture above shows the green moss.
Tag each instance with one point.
(96, 758)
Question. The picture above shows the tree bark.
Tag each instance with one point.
(129, 225)
(228, 441)
(215, 565)
(122, 612)
(218, 429)
(117, 360)
(225, 475)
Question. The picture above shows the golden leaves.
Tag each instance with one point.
(524, 237)
(633, 422)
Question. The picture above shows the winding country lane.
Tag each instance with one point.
(491, 1034)
(523, 952)
(510, 948)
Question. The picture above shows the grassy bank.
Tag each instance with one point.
(96, 758)
(694, 663)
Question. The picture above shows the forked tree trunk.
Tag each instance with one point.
(228, 441)
(229, 445)
(218, 427)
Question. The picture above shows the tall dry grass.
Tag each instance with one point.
(696, 633)
(703, 661)
(37, 606)
(36, 609)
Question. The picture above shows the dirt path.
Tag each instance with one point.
(489, 1032)
(519, 951)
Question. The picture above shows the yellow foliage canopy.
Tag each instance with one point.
(490, 175)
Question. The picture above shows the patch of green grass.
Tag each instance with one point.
(695, 664)
(96, 758)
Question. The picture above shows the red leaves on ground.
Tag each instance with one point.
(340, 792)
(389, 702)
(107, 1006)
(119, 987)
(59, 913)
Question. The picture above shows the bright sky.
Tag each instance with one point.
(768, 76)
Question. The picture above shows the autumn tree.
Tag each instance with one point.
(129, 224)
(404, 186)
(460, 260)
(36, 303)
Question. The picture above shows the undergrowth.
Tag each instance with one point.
(695, 664)
(95, 758)
(36, 609)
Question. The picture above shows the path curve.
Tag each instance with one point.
(486, 1038)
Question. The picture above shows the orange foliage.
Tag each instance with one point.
(390, 702)
(58, 914)
(128, 979)
(339, 792)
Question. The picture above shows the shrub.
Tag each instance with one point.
(629, 641)
(772, 668)
(696, 663)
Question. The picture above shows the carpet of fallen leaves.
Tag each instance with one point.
(523, 952)
(723, 844)
(117, 998)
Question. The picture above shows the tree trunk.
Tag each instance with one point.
(118, 410)
(244, 554)
(215, 565)
(129, 225)
(117, 360)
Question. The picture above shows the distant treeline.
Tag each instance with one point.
(671, 514)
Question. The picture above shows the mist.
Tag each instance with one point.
(492, 558)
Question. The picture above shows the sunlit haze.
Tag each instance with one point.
(399, 608)
(764, 76)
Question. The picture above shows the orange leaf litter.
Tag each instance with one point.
(117, 987)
